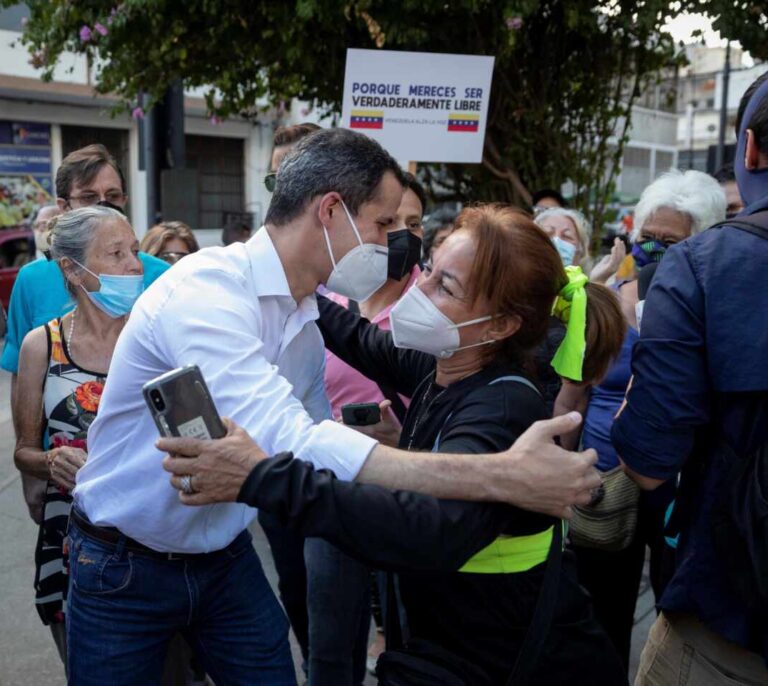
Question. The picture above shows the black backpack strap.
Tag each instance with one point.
(387, 390)
(756, 224)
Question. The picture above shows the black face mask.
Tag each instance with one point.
(106, 203)
(404, 253)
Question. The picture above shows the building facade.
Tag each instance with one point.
(40, 123)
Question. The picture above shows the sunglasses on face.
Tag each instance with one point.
(172, 257)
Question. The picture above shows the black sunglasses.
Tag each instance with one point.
(270, 180)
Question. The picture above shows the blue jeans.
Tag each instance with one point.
(124, 607)
(339, 605)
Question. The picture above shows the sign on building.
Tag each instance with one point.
(25, 170)
(424, 107)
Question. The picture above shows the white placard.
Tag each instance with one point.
(421, 106)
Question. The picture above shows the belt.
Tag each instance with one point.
(113, 536)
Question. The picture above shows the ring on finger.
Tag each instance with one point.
(186, 484)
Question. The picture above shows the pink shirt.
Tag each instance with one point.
(345, 385)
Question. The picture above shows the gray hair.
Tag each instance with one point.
(329, 160)
(583, 230)
(73, 231)
(692, 193)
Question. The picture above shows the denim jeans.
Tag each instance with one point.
(339, 605)
(124, 607)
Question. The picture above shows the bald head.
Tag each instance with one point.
(40, 226)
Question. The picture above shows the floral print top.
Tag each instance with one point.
(71, 398)
(72, 394)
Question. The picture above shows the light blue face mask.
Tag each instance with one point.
(117, 294)
(567, 250)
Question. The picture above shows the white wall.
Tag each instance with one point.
(14, 61)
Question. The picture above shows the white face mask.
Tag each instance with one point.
(567, 250)
(362, 271)
(418, 324)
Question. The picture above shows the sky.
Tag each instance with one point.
(682, 26)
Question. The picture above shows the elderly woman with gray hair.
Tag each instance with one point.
(62, 368)
(571, 233)
(674, 207)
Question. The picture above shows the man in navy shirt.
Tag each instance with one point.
(700, 369)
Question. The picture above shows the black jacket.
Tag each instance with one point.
(481, 617)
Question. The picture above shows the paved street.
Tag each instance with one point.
(27, 653)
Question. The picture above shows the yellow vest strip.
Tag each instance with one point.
(511, 554)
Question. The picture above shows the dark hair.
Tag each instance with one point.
(413, 185)
(81, 166)
(444, 217)
(288, 135)
(725, 174)
(759, 121)
(539, 195)
(235, 231)
(519, 271)
(338, 160)
(155, 239)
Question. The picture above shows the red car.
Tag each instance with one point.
(17, 247)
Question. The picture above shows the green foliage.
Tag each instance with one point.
(565, 78)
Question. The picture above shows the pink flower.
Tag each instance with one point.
(137, 113)
(215, 121)
(85, 34)
(514, 23)
(100, 28)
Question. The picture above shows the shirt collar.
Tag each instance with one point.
(268, 275)
(266, 268)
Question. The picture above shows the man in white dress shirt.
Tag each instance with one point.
(145, 566)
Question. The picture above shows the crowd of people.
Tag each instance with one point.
(542, 419)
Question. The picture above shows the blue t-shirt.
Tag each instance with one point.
(604, 402)
(39, 295)
(700, 366)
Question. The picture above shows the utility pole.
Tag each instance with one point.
(720, 154)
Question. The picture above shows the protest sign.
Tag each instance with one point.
(428, 107)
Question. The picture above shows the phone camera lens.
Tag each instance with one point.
(157, 400)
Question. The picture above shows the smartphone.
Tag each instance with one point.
(361, 414)
(181, 404)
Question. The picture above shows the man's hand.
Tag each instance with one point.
(535, 474)
(218, 468)
(387, 431)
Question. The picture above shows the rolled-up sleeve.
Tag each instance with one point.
(670, 395)
(244, 384)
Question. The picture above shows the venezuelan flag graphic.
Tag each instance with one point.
(366, 119)
(464, 122)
